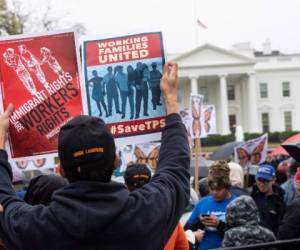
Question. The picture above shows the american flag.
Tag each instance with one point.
(201, 24)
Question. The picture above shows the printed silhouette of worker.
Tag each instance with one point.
(112, 92)
(154, 81)
(98, 92)
(33, 64)
(145, 88)
(122, 82)
(131, 84)
(14, 61)
(138, 72)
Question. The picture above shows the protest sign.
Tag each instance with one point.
(19, 166)
(187, 121)
(39, 76)
(126, 156)
(196, 116)
(252, 152)
(147, 153)
(209, 125)
(122, 79)
(34, 164)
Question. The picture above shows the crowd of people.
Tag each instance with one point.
(129, 84)
(84, 209)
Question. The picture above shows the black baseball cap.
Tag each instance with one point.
(137, 175)
(84, 140)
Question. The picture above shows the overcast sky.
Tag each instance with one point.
(228, 21)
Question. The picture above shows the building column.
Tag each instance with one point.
(253, 126)
(194, 85)
(224, 105)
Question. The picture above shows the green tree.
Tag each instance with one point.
(11, 21)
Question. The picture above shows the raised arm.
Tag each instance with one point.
(170, 183)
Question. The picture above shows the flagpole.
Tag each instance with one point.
(195, 24)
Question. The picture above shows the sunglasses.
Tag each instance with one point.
(262, 180)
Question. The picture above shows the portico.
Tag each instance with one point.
(226, 79)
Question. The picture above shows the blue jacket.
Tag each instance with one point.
(208, 205)
(95, 215)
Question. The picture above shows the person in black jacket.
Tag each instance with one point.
(290, 226)
(41, 188)
(268, 198)
(92, 212)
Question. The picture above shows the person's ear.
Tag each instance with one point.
(116, 161)
(273, 180)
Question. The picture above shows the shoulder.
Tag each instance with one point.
(203, 201)
(206, 199)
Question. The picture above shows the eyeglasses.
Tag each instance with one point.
(262, 180)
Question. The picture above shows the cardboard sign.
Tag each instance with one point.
(122, 78)
(39, 76)
(252, 152)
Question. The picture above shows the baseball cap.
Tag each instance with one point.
(137, 175)
(83, 140)
(266, 172)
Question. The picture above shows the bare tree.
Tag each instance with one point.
(17, 18)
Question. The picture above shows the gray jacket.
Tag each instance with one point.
(242, 218)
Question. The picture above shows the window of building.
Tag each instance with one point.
(286, 89)
(263, 90)
(288, 121)
(232, 123)
(230, 92)
(265, 122)
(204, 91)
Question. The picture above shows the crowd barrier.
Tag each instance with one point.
(275, 245)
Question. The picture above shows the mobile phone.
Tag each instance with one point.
(205, 215)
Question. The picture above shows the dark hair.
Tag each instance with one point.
(136, 176)
(41, 188)
(94, 170)
(203, 187)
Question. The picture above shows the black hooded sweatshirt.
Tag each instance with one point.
(95, 215)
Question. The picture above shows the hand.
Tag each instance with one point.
(168, 86)
(210, 221)
(4, 124)
(199, 234)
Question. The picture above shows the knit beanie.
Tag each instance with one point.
(218, 175)
(297, 180)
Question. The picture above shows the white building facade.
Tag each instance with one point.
(257, 90)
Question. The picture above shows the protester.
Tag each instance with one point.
(203, 187)
(242, 219)
(41, 188)
(137, 176)
(268, 198)
(288, 186)
(236, 177)
(290, 227)
(178, 240)
(209, 213)
(92, 212)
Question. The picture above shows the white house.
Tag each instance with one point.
(257, 90)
